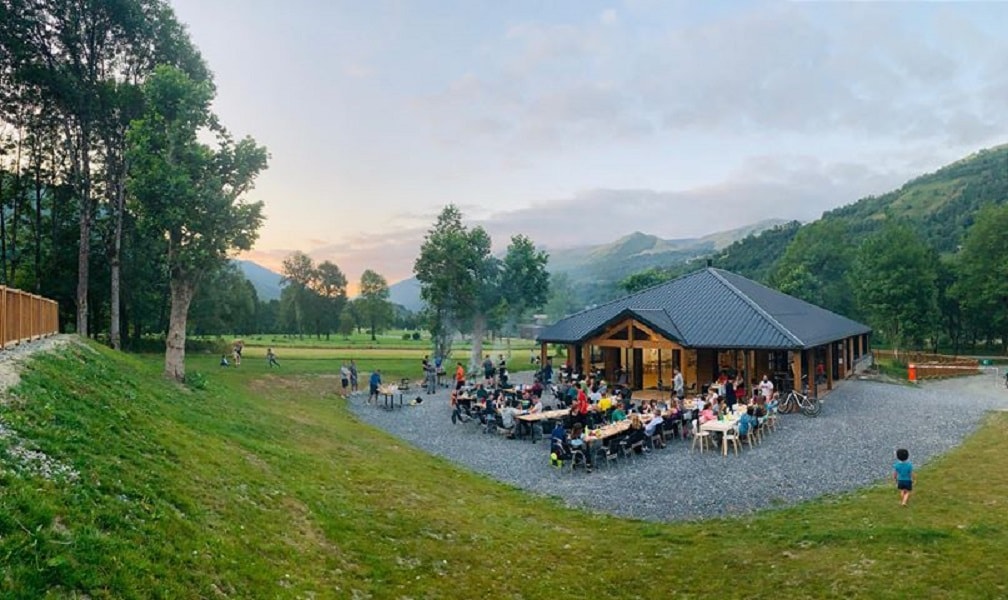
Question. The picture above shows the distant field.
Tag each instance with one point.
(263, 485)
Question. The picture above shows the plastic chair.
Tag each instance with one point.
(700, 437)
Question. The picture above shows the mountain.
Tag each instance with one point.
(608, 263)
(266, 283)
(594, 271)
(406, 293)
(939, 207)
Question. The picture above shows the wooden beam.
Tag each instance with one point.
(829, 366)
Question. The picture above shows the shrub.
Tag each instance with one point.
(416, 336)
(196, 380)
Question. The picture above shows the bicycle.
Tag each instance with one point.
(795, 400)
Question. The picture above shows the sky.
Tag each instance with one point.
(577, 122)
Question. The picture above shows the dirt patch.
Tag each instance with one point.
(12, 358)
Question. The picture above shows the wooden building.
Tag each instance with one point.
(705, 322)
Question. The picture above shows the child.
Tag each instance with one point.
(223, 360)
(904, 475)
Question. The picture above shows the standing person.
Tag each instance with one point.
(237, 352)
(271, 359)
(353, 375)
(679, 385)
(488, 370)
(374, 381)
(344, 374)
(430, 377)
(459, 376)
(548, 371)
(766, 388)
(904, 475)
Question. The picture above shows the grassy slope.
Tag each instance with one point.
(264, 486)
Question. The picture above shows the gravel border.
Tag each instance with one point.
(849, 446)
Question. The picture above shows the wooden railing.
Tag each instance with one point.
(934, 366)
(25, 317)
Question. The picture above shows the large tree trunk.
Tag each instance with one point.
(84, 249)
(479, 330)
(181, 296)
(115, 337)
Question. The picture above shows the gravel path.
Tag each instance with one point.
(850, 445)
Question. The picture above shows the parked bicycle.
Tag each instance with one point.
(797, 401)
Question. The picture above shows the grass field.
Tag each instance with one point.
(263, 485)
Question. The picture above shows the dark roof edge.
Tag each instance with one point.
(759, 309)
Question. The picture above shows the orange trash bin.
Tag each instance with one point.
(912, 373)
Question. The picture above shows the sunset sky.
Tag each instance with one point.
(578, 122)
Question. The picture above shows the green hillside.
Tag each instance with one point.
(940, 207)
(117, 484)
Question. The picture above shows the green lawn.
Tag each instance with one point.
(263, 485)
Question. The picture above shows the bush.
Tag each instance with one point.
(196, 380)
(405, 337)
(416, 336)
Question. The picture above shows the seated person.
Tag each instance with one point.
(707, 414)
(224, 360)
(654, 426)
(635, 434)
(672, 420)
(508, 414)
(579, 441)
(747, 422)
(618, 413)
(537, 389)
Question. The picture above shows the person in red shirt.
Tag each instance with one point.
(580, 409)
(459, 376)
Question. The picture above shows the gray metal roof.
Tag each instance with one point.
(712, 308)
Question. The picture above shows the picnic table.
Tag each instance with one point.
(389, 393)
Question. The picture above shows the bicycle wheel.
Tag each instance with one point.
(811, 407)
(788, 404)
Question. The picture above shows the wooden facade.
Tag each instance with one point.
(647, 359)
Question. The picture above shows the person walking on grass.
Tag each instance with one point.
(271, 359)
(904, 475)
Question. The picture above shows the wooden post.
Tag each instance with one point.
(543, 355)
(829, 366)
(810, 360)
(585, 359)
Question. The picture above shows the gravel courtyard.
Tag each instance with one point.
(850, 445)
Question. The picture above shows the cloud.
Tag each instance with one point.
(766, 187)
(808, 69)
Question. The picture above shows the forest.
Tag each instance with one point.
(925, 265)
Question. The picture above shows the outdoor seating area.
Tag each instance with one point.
(588, 428)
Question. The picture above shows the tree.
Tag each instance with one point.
(893, 277)
(824, 250)
(525, 282)
(453, 268)
(297, 300)
(644, 279)
(192, 194)
(982, 288)
(373, 303)
(563, 298)
(346, 324)
(462, 282)
(331, 288)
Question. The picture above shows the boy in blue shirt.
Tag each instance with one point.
(904, 475)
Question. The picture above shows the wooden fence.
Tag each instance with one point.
(934, 366)
(25, 317)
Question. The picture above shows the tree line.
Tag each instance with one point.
(120, 191)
